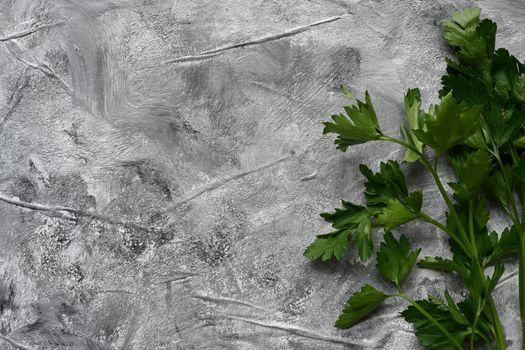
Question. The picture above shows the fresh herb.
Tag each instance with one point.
(478, 127)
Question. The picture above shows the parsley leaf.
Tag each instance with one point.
(347, 216)
(363, 239)
(508, 243)
(472, 170)
(427, 332)
(330, 245)
(389, 183)
(396, 213)
(448, 124)
(473, 40)
(416, 119)
(359, 305)
(458, 31)
(387, 195)
(394, 259)
(345, 220)
(509, 75)
(358, 126)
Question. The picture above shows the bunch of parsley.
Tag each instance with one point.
(478, 126)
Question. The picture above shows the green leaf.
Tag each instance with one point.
(467, 86)
(363, 239)
(345, 220)
(473, 40)
(358, 218)
(449, 124)
(394, 214)
(358, 126)
(348, 216)
(415, 118)
(428, 333)
(519, 89)
(454, 311)
(497, 185)
(472, 170)
(394, 259)
(520, 142)
(359, 305)
(496, 275)
(508, 243)
(454, 31)
(387, 195)
(328, 246)
(389, 183)
(508, 74)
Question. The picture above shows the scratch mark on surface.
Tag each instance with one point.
(30, 31)
(287, 33)
(19, 52)
(219, 183)
(309, 177)
(63, 212)
(13, 46)
(223, 300)
(183, 276)
(199, 57)
(214, 52)
(110, 291)
(16, 96)
(15, 344)
(296, 330)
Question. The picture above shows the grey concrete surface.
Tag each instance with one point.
(163, 168)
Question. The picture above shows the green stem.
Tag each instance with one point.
(476, 262)
(453, 340)
(474, 331)
(515, 217)
(498, 329)
(433, 170)
(471, 227)
(521, 284)
(500, 336)
(463, 235)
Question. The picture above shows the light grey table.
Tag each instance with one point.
(162, 168)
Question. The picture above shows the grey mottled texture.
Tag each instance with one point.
(173, 158)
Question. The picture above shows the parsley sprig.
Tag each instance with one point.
(478, 126)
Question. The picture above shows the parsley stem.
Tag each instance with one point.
(471, 251)
(475, 324)
(500, 337)
(466, 246)
(521, 282)
(498, 330)
(435, 322)
(471, 229)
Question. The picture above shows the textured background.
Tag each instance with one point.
(192, 129)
